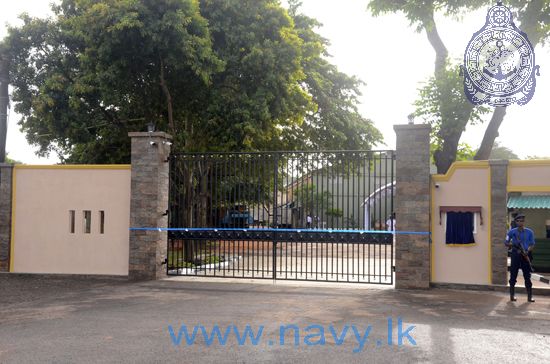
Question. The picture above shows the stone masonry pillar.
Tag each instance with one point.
(412, 206)
(6, 173)
(148, 205)
(499, 198)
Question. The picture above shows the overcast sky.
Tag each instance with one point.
(388, 56)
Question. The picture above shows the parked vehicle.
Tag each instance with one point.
(237, 217)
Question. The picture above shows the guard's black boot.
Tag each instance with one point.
(530, 295)
(512, 294)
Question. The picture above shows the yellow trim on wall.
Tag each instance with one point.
(457, 245)
(525, 164)
(460, 165)
(529, 163)
(528, 188)
(74, 166)
(12, 234)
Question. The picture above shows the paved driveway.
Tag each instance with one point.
(66, 320)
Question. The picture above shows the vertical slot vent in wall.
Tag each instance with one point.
(87, 214)
(71, 221)
(102, 222)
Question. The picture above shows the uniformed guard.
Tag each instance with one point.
(521, 241)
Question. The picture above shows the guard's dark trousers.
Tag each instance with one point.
(518, 262)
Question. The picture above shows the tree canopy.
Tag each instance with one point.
(220, 75)
(442, 102)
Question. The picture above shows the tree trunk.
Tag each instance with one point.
(4, 102)
(445, 156)
(491, 133)
(168, 97)
(441, 52)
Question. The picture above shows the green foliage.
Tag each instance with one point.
(443, 105)
(502, 152)
(258, 94)
(212, 259)
(12, 161)
(220, 75)
(335, 212)
(310, 199)
(465, 152)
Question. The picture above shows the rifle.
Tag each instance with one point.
(524, 254)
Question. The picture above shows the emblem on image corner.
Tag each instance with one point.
(499, 62)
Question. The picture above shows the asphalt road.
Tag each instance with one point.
(97, 320)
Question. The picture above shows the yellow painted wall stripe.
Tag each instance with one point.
(528, 188)
(74, 166)
(460, 165)
(529, 163)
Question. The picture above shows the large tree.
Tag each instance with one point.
(219, 75)
(99, 69)
(442, 102)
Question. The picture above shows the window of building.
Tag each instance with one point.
(87, 221)
(459, 228)
(460, 223)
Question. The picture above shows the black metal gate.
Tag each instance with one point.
(282, 215)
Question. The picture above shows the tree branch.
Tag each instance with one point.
(491, 133)
(168, 97)
(441, 52)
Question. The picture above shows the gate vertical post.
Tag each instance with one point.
(6, 188)
(148, 205)
(412, 206)
(275, 208)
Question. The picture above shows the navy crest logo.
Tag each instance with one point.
(499, 62)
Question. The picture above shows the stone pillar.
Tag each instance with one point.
(412, 206)
(499, 215)
(6, 172)
(149, 202)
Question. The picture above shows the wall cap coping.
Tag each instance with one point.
(72, 166)
(529, 163)
(459, 165)
(145, 134)
(498, 162)
(419, 127)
